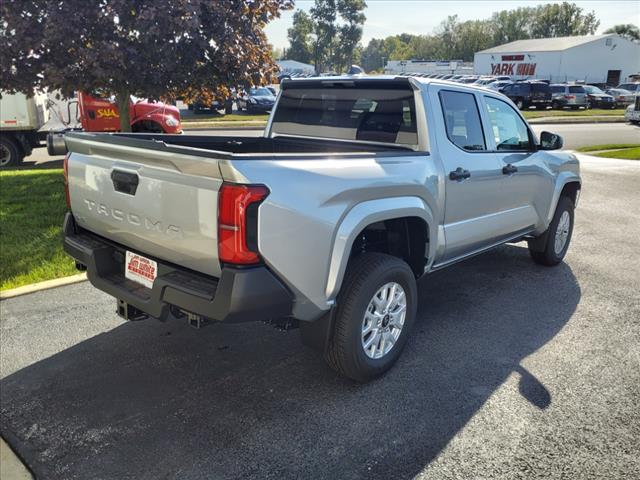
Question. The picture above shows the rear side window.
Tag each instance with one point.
(577, 89)
(347, 113)
(462, 120)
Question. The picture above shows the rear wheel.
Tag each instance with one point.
(10, 152)
(520, 104)
(558, 235)
(376, 310)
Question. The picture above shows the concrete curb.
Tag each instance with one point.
(46, 285)
(574, 120)
(11, 467)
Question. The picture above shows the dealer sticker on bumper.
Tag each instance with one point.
(140, 269)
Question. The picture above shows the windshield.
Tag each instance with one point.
(260, 92)
(592, 89)
(365, 114)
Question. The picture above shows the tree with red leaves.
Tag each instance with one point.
(148, 48)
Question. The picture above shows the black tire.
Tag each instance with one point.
(365, 275)
(546, 254)
(11, 154)
(520, 104)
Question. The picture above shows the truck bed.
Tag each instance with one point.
(245, 145)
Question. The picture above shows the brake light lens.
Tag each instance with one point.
(570, 97)
(237, 221)
(65, 168)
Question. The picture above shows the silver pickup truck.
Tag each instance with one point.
(358, 187)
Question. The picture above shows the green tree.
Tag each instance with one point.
(134, 47)
(350, 33)
(371, 58)
(562, 20)
(630, 31)
(324, 14)
(472, 36)
(300, 42)
(426, 47)
(511, 25)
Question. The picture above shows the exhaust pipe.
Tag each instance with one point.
(56, 144)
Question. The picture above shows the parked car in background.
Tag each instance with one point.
(599, 99)
(632, 113)
(498, 85)
(484, 80)
(633, 87)
(257, 99)
(569, 96)
(621, 96)
(529, 94)
(469, 79)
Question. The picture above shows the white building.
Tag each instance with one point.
(396, 67)
(293, 66)
(609, 59)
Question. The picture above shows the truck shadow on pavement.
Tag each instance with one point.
(160, 400)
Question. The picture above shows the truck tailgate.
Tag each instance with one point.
(149, 198)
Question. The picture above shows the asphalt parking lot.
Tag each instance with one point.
(514, 371)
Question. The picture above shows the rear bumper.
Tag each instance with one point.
(240, 294)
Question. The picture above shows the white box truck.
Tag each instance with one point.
(21, 118)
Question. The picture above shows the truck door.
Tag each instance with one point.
(473, 175)
(98, 114)
(526, 183)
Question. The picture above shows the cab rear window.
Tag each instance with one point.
(577, 89)
(347, 113)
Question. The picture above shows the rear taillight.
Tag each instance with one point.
(65, 167)
(570, 97)
(238, 222)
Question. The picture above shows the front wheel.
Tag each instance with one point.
(558, 235)
(376, 310)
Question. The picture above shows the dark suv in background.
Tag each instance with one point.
(529, 94)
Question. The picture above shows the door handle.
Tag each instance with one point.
(509, 169)
(124, 182)
(459, 174)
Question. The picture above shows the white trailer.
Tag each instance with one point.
(21, 118)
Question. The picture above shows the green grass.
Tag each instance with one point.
(607, 146)
(625, 154)
(232, 117)
(573, 113)
(32, 208)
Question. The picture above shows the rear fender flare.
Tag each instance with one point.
(367, 213)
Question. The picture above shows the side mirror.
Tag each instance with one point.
(550, 141)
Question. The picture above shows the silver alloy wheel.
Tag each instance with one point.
(383, 320)
(562, 232)
(5, 156)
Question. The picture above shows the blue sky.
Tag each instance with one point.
(390, 17)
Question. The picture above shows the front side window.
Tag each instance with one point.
(462, 120)
(509, 130)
